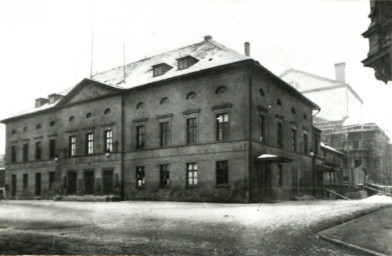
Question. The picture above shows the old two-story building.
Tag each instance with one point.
(200, 123)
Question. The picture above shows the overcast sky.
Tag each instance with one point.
(45, 46)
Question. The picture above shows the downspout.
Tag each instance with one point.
(122, 147)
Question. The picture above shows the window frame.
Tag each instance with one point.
(14, 152)
(222, 170)
(72, 145)
(52, 148)
(164, 133)
(108, 140)
(193, 180)
(192, 127)
(140, 136)
(222, 132)
(52, 180)
(164, 177)
(140, 173)
(38, 150)
(25, 152)
(89, 147)
(25, 181)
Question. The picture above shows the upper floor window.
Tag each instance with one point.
(108, 139)
(140, 136)
(72, 145)
(140, 105)
(185, 62)
(191, 130)
(89, 115)
(140, 177)
(306, 143)
(222, 126)
(279, 133)
(191, 95)
(38, 150)
(52, 148)
(164, 134)
(107, 111)
(164, 175)
(262, 128)
(222, 172)
(191, 174)
(221, 90)
(160, 69)
(164, 100)
(293, 139)
(25, 152)
(305, 116)
(89, 143)
(13, 154)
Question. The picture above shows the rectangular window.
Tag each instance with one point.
(52, 148)
(108, 138)
(183, 63)
(164, 134)
(280, 174)
(13, 154)
(165, 175)
(38, 150)
(140, 136)
(279, 134)
(191, 174)
(52, 180)
(191, 130)
(89, 143)
(72, 145)
(222, 172)
(140, 176)
(305, 143)
(222, 126)
(262, 128)
(25, 180)
(157, 71)
(294, 139)
(25, 152)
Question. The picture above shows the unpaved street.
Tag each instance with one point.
(173, 228)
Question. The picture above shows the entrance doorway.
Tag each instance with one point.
(38, 184)
(72, 182)
(266, 181)
(89, 182)
(108, 182)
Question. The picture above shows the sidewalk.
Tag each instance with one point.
(371, 233)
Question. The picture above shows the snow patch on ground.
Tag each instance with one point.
(378, 199)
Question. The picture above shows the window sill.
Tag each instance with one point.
(222, 186)
(195, 186)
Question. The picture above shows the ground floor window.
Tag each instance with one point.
(280, 175)
(140, 176)
(222, 172)
(51, 180)
(25, 181)
(165, 175)
(191, 174)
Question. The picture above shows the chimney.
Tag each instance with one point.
(340, 72)
(40, 101)
(207, 38)
(247, 49)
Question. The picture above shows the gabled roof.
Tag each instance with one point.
(208, 53)
(334, 83)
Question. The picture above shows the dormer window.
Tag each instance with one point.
(186, 62)
(160, 69)
(54, 97)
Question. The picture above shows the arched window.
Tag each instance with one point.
(279, 102)
(107, 111)
(164, 100)
(38, 126)
(262, 92)
(140, 105)
(191, 95)
(221, 89)
(89, 115)
(71, 118)
(52, 123)
(293, 110)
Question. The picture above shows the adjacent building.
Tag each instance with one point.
(200, 123)
(379, 34)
